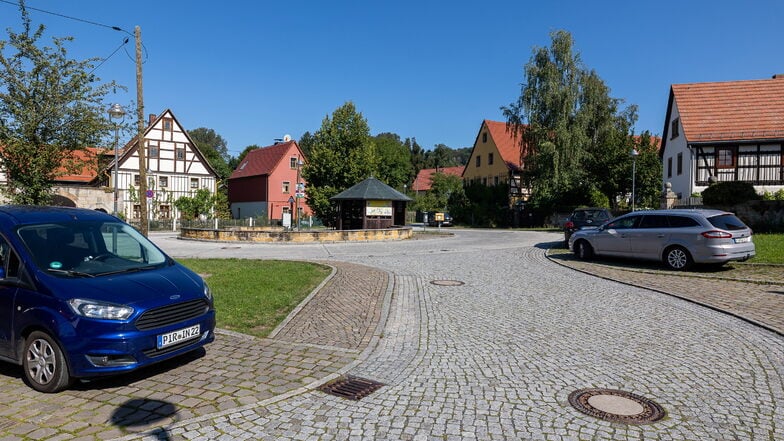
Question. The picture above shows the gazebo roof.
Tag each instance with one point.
(371, 189)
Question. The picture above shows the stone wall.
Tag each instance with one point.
(265, 235)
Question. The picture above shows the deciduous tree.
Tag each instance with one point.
(341, 155)
(50, 106)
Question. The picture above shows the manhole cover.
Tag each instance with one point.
(616, 405)
(350, 387)
(447, 282)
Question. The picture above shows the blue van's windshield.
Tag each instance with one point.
(89, 249)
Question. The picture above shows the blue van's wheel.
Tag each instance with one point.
(44, 364)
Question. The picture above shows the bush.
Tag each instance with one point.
(729, 193)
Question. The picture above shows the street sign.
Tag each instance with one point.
(291, 199)
(300, 195)
(149, 194)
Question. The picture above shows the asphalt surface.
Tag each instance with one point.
(491, 350)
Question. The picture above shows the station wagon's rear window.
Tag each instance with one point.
(727, 222)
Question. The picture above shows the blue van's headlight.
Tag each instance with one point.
(100, 310)
(207, 291)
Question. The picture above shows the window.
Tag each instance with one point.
(293, 163)
(484, 181)
(675, 128)
(164, 212)
(669, 167)
(163, 181)
(489, 159)
(194, 182)
(654, 221)
(484, 137)
(167, 124)
(137, 180)
(725, 157)
(286, 185)
(152, 151)
(680, 164)
(478, 160)
(180, 153)
(624, 223)
(682, 222)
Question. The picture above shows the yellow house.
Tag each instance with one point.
(496, 159)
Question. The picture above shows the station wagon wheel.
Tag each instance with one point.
(44, 364)
(583, 250)
(677, 258)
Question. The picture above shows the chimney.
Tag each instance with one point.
(778, 77)
(151, 119)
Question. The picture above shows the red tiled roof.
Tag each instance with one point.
(507, 141)
(732, 110)
(424, 179)
(88, 171)
(262, 161)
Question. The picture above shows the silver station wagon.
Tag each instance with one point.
(678, 238)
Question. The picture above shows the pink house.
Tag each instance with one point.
(266, 182)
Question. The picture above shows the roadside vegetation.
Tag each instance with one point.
(770, 248)
(253, 296)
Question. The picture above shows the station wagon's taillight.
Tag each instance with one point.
(569, 224)
(715, 234)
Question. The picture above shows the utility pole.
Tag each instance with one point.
(140, 145)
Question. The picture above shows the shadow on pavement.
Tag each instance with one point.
(141, 413)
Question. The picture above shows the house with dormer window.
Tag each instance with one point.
(268, 183)
(724, 131)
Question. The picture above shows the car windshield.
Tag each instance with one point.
(87, 249)
(727, 222)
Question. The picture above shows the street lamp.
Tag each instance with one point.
(116, 112)
(299, 192)
(634, 154)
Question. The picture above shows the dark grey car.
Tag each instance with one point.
(678, 238)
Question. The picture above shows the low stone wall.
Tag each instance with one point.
(265, 235)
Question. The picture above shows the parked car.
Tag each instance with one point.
(678, 238)
(83, 294)
(585, 217)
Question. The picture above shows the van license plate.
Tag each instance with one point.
(743, 239)
(174, 337)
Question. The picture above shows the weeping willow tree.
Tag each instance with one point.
(571, 132)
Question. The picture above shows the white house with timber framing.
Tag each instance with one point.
(724, 131)
(175, 168)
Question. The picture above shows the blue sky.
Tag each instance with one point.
(256, 70)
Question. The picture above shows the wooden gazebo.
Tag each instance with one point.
(370, 205)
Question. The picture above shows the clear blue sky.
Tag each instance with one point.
(256, 70)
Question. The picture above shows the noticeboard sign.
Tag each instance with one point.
(379, 208)
(439, 217)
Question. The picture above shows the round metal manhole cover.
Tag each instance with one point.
(447, 282)
(616, 406)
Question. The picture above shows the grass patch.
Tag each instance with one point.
(770, 248)
(254, 296)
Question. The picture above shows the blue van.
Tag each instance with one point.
(83, 294)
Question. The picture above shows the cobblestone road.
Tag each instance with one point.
(493, 358)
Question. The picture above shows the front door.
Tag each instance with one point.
(613, 240)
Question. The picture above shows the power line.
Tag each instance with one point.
(116, 28)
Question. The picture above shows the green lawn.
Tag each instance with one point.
(253, 296)
(770, 248)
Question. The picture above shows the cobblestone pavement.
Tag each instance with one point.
(493, 358)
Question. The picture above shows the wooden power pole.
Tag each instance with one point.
(140, 144)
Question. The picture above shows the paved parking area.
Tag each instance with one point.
(493, 358)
